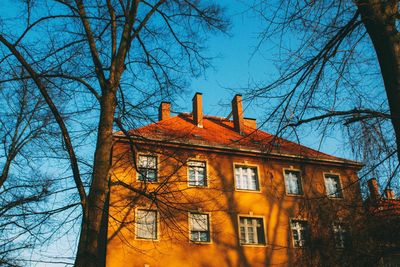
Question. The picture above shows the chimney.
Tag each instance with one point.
(250, 122)
(164, 111)
(389, 194)
(373, 189)
(198, 109)
(237, 111)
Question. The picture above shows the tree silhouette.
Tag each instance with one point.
(106, 62)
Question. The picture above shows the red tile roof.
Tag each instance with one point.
(219, 132)
(384, 207)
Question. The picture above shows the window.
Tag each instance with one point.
(293, 182)
(246, 178)
(341, 235)
(197, 173)
(333, 187)
(146, 224)
(147, 168)
(251, 231)
(199, 227)
(300, 233)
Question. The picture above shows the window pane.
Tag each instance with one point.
(197, 164)
(250, 236)
(293, 182)
(246, 178)
(300, 233)
(238, 179)
(201, 174)
(251, 230)
(260, 232)
(147, 161)
(303, 237)
(204, 236)
(252, 179)
(146, 224)
(341, 235)
(147, 167)
(199, 222)
(192, 173)
(151, 175)
(242, 235)
(147, 174)
(199, 236)
(197, 173)
(199, 227)
(332, 184)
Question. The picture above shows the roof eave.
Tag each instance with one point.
(354, 164)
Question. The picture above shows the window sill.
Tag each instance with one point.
(295, 195)
(146, 239)
(198, 186)
(254, 245)
(337, 198)
(247, 190)
(200, 242)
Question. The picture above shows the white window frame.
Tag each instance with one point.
(196, 161)
(303, 240)
(139, 167)
(240, 182)
(208, 214)
(155, 227)
(342, 231)
(338, 194)
(299, 184)
(253, 225)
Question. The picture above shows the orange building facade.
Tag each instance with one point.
(195, 190)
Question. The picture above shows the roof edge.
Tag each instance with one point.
(355, 164)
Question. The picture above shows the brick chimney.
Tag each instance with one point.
(198, 109)
(389, 194)
(164, 111)
(373, 189)
(237, 112)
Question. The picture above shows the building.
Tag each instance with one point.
(196, 190)
(383, 224)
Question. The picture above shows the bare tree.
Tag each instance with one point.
(339, 68)
(109, 61)
(23, 120)
(25, 123)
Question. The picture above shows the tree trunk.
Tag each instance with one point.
(379, 18)
(90, 251)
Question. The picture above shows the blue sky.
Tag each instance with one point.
(235, 66)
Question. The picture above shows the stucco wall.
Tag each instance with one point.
(224, 203)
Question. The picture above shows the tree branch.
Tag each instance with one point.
(57, 116)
